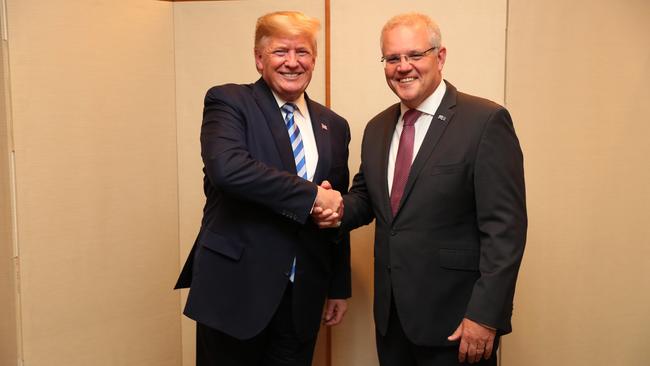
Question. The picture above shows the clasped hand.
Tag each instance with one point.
(328, 208)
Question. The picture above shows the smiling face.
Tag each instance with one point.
(412, 81)
(286, 64)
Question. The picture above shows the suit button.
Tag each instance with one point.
(393, 233)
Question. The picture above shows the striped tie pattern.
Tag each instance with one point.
(296, 140)
(298, 156)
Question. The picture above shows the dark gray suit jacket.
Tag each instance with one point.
(454, 248)
(256, 216)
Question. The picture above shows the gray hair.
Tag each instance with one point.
(413, 20)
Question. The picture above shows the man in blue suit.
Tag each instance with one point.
(260, 271)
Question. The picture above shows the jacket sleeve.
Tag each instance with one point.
(358, 207)
(341, 283)
(231, 168)
(502, 222)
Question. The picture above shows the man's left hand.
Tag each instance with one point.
(476, 341)
(327, 218)
(334, 311)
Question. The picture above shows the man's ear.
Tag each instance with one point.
(442, 57)
(258, 60)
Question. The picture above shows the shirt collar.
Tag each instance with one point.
(301, 103)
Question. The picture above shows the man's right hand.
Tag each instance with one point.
(328, 208)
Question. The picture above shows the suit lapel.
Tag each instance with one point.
(320, 126)
(439, 123)
(387, 135)
(269, 107)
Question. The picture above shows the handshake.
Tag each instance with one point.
(328, 208)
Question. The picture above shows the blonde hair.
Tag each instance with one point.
(285, 24)
(413, 20)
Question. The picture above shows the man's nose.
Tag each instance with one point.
(291, 59)
(404, 63)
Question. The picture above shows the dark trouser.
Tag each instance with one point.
(277, 345)
(395, 349)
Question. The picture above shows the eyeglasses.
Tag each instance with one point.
(412, 56)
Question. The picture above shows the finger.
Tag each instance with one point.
(327, 224)
(456, 335)
(325, 214)
(471, 353)
(329, 312)
(316, 210)
(339, 313)
(335, 319)
(341, 210)
(338, 316)
(326, 184)
(462, 350)
(480, 351)
(333, 218)
(336, 206)
(488, 348)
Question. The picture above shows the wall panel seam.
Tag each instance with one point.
(505, 58)
(13, 191)
(178, 180)
(4, 20)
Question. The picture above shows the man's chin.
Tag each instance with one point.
(293, 90)
(405, 97)
(404, 90)
(290, 94)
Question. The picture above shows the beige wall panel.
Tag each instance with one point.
(8, 296)
(214, 45)
(578, 75)
(474, 34)
(95, 139)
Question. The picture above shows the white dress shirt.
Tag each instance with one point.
(428, 108)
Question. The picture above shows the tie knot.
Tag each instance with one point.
(289, 108)
(410, 117)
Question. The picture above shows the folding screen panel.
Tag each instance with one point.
(92, 106)
(577, 80)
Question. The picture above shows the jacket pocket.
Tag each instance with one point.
(448, 168)
(466, 260)
(227, 247)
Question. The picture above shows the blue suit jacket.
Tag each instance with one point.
(256, 216)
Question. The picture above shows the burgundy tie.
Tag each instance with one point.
(404, 158)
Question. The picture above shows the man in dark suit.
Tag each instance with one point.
(442, 174)
(260, 272)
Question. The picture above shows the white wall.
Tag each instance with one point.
(93, 107)
(578, 75)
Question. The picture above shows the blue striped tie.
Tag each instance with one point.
(298, 156)
(296, 140)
